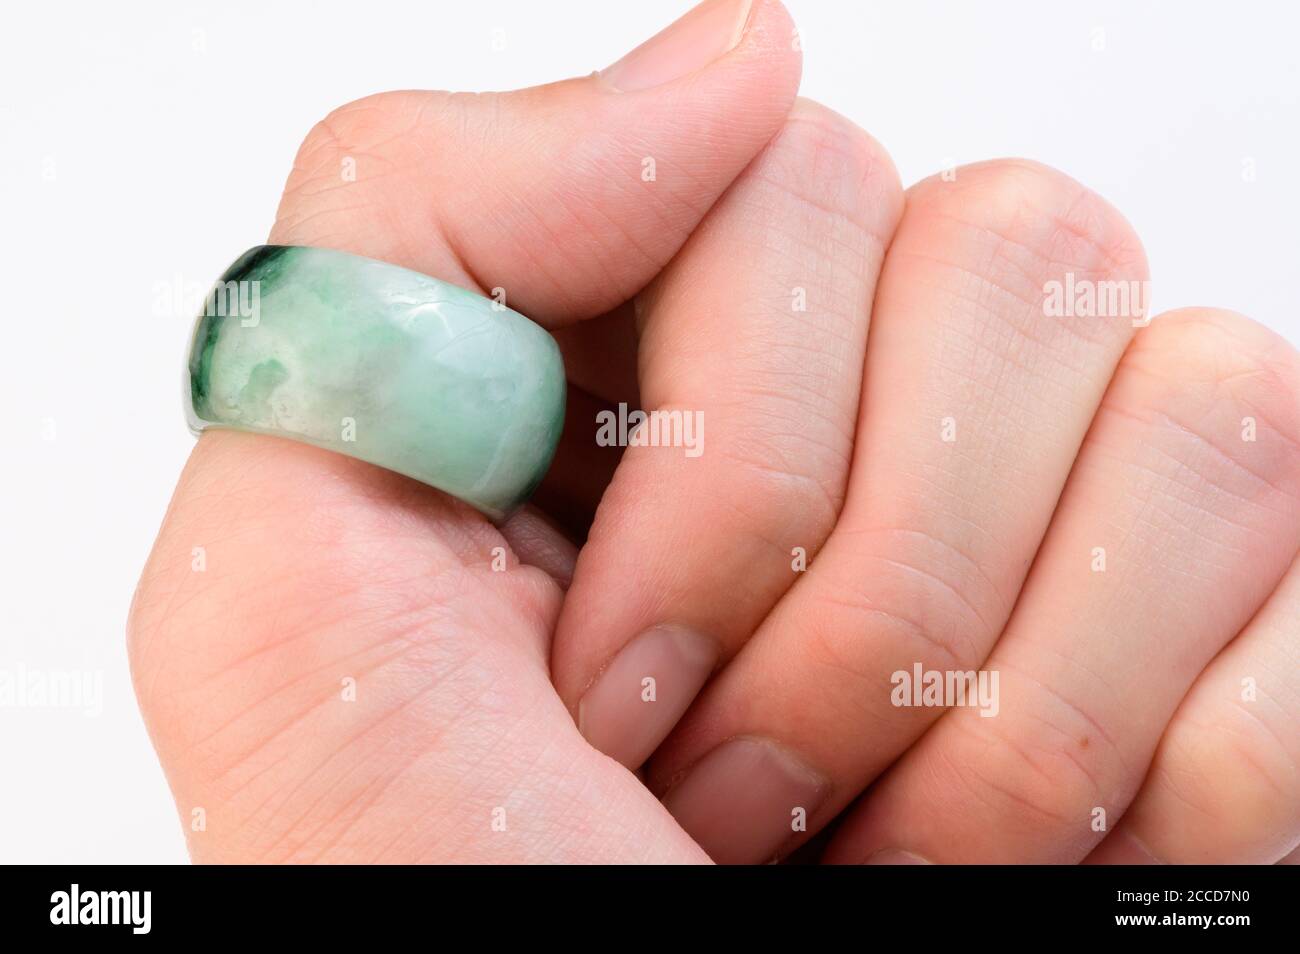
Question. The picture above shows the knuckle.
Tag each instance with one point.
(839, 647)
(949, 609)
(1223, 379)
(786, 449)
(905, 610)
(1030, 782)
(1238, 776)
(363, 126)
(828, 162)
(1217, 348)
(1039, 210)
(344, 156)
(786, 483)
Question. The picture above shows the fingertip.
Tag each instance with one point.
(832, 161)
(736, 35)
(771, 41)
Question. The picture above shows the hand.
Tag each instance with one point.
(855, 512)
(327, 578)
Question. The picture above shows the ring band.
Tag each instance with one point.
(380, 363)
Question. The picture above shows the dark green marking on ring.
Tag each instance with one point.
(259, 260)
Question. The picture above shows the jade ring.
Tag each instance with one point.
(383, 364)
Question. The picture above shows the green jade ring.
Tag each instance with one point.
(382, 364)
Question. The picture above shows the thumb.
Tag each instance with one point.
(569, 196)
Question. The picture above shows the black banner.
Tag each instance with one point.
(132, 904)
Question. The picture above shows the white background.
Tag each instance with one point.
(146, 145)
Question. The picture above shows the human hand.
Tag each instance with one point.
(322, 569)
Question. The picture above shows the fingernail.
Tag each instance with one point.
(640, 696)
(744, 800)
(691, 43)
(1122, 847)
(894, 856)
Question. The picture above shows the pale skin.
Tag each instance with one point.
(1107, 515)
